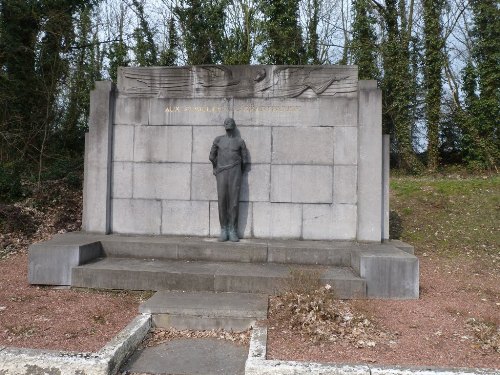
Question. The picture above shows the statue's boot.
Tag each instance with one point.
(233, 235)
(224, 234)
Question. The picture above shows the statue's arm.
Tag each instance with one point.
(245, 157)
(213, 154)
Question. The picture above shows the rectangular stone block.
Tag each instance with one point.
(189, 111)
(281, 183)
(311, 184)
(302, 146)
(338, 111)
(244, 219)
(123, 142)
(346, 146)
(121, 182)
(345, 179)
(258, 141)
(98, 158)
(277, 220)
(344, 221)
(255, 183)
(185, 218)
(203, 138)
(136, 216)
(162, 181)
(50, 262)
(301, 184)
(131, 110)
(163, 144)
(329, 222)
(318, 222)
(370, 191)
(203, 182)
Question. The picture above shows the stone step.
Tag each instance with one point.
(205, 310)
(332, 253)
(153, 274)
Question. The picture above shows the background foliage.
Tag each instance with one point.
(437, 62)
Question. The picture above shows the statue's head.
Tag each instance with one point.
(229, 124)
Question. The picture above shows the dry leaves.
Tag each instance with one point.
(160, 335)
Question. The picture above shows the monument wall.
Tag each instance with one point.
(313, 133)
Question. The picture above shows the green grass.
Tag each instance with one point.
(450, 216)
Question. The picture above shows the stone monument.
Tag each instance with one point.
(228, 156)
(317, 170)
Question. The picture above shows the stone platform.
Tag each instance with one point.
(355, 270)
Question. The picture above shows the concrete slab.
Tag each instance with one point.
(190, 357)
(205, 304)
(144, 274)
(50, 262)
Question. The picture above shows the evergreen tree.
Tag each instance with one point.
(202, 23)
(118, 50)
(433, 67)
(312, 33)
(481, 87)
(282, 33)
(364, 41)
(168, 56)
(145, 50)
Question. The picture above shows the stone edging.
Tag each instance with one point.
(107, 361)
(257, 364)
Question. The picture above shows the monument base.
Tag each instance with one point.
(355, 270)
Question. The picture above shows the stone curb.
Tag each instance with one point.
(107, 361)
(257, 364)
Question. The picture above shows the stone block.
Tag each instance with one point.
(162, 181)
(312, 184)
(203, 137)
(203, 182)
(50, 262)
(386, 162)
(345, 178)
(131, 110)
(98, 158)
(346, 146)
(258, 141)
(163, 144)
(198, 111)
(136, 216)
(318, 222)
(281, 183)
(344, 221)
(338, 111)
(389, 272)
(123, 143)
(185, 218)
(277, 220)
(336, 253)
(244, 219)
(255, 183)
(302, 146)
(301, 184)
(370, 163)
(121, 182)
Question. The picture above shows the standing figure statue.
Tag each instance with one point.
(229, 156)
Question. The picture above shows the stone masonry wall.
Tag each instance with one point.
(301, 129)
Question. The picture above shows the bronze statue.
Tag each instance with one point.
(229, 156)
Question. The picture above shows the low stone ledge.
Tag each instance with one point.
(257, 364)
(20, 361)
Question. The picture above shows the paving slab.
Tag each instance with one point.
(190, 357)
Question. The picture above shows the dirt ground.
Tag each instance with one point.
(438, 329)
(48, 318)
